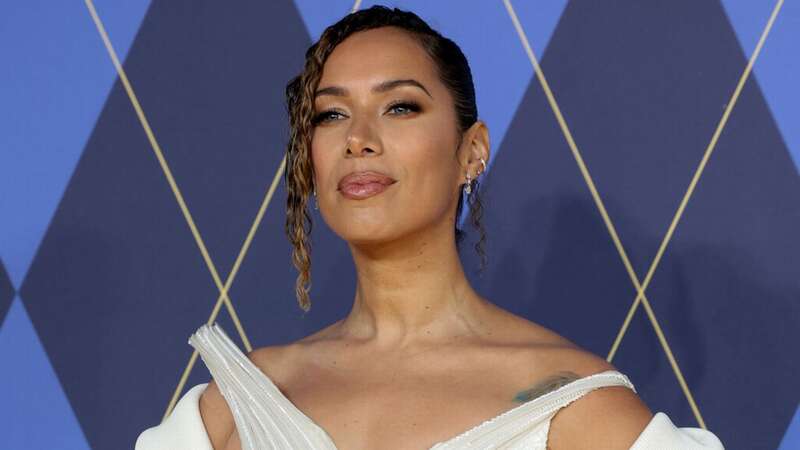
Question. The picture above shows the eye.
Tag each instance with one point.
(404, 107)
(326, 116)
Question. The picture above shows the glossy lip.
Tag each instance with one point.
(364, 184)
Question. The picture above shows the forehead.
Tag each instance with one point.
(376, 55)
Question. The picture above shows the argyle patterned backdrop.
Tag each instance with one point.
(643, 198)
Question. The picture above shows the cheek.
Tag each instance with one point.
(324, 158)
(427, 158)
(426, 197)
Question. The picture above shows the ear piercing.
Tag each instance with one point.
(468, 185)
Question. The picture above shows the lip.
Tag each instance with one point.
(364, 184)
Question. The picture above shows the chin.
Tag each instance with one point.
(361, 224)
(367, 237)
(386, 234)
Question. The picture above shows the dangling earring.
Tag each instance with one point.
(468, 186)
(316, 204)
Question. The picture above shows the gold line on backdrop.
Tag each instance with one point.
(711, 145)
(228, 282)
(609, 225)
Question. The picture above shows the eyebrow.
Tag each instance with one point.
(380, 87)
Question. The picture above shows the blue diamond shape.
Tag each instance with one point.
(33, 399)
(52, 97)
(778, 67)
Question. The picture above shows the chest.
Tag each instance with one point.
(411, 411)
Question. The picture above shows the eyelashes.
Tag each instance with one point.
(324, 116)
(408, 105)
(404, 106)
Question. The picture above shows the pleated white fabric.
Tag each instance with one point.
(267, 420)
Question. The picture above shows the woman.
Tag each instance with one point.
(385, 135)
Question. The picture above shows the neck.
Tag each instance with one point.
(412, 291)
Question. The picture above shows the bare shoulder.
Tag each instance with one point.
(606, 418)
(216, 415)
(214, 410)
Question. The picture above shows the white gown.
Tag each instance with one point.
(266, 419)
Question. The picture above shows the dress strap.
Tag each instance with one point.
(527, 425)
(563, 396)
(264, 417)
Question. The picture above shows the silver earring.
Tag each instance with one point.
(316, 204)
(468, 186)
(484, 165)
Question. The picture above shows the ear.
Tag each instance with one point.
(474, 147)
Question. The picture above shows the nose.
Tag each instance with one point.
(362, 139)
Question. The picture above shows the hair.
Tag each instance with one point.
(453, 70)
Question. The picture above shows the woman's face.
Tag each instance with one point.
(383, 117)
